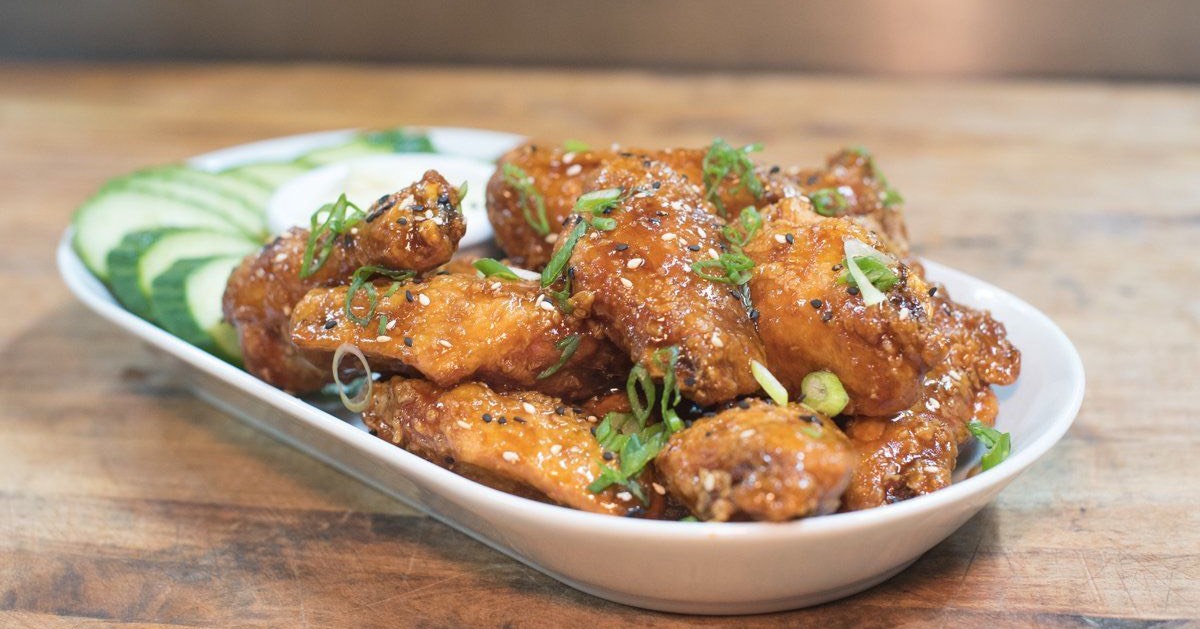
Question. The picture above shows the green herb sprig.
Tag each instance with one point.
(723, 161)
(325, 225)
(533, 206)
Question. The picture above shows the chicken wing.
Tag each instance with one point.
(808, 321)
(639, 278)
(524, 443)
(915, 451)
(452, 328)
(417, 228)
(758, 461)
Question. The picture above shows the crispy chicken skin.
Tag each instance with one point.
(453, 328)
(853, 173)
(643, 289)
(517, 442)
(560, 177)
(915, 451)
(758, 461)
(808, 321)
(416, 228)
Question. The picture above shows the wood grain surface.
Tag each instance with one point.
(123, 500)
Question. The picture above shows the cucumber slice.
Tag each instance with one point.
(355, 148)
(186, 300)
(251, 192)
(105, 219)
(143, 256)
(399, 140)
(270, 175)
(198, 189)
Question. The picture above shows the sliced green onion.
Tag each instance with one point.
(739, 234)
(533, 206)
(667, 359)
(824, 393)
(494, 268)
(558, 262)
(723, 161)
(323, 232)
(462, 191)
(998, 444)
(641, 391)
(566, 347)
(828, 201)
(870, 294)
(878, 274)
(769, 383)
(359, 282)
(575, 146)
(604, 223)
(733, 266)
(598, 200)
(358, 403)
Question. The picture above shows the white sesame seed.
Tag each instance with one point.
(574, 169)
(954, 375)
(668, 236)
(551, 238)
(510, 456)
(712, 253)
(747, 433)
(659, 489)
(624, 495)
(932, 469)
(383, 338)
(261, 273)
(494, 286)
(540, 299)
(708, 480)
(903, 314)
(547, 306)
(626, 283)
(444, 343)
(437, 220)
(703, 234)
(716, 340)
(634, 263)
(593, 419)
(423, 298)
(529, 408)
(556, 449)
(463, 424)
(568, 158)
(353, 231)
(780, 238)
(932, 404)
(281, 256)
(391, 325)
(428, 213)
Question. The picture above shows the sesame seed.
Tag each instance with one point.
(560, 410)
(501, 420)
(693, 247)
(608, 456)
(510, 456)
(463, 424)
(933, 291)
(659, 489)
(540, 299)
(634, 263)
(626, 283)
(547, 306)
(330, 324)
(408, 296)
(556, 449)
(529, 408)
(423, 298)
(621, 246)
(709, 481)
(383, 338)
(668, 236)
(494, 286)
(853, 290)
(826, 316)
(780, 239)
(624, 495)
(391, 325)
(712, 253)
(428, 213)
(816, 303)
(444, 343)
(408, 341)
(716, 340)
(575, 169)
(747, 433)
(931, 469)
(281, 256)
(932, 404)
(551, 238)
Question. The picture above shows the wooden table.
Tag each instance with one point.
(125, 500)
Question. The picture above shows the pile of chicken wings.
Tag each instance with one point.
(680, 355)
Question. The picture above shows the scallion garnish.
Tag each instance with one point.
(558, 262)
(666, 359)
(359, 282)
(575, 146)
(533, 206)
(876, 272)
(733, 266)
(351, 398)
(769, 383)
(998, 443)
(856, 252)
(462, 191)
(494, 268)
(326, 224)
(567, 347)
(824, 393)
(722, 162)
(740, 233)
(890, 195)
(828, 201)
(641, 391)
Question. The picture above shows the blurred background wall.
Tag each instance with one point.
(1111, 39)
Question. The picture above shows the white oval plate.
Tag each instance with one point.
(671, 566)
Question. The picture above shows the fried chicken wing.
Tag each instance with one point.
(915, 451)
(417, 228)
(758, 461)
(555, 177)
(808, 321)
(856, 189)
(639, 278)
(524, 443)
(452, 328)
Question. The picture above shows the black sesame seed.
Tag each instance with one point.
(636, 511)
(443, 198)
(775, 169)
(655, 222)
(754, 314)
(812, 180)
(791, 240)
(708, 433)
(571, 272)
(376, 213)
(408, 341)
(826, 316)
(853, 290)
(408, 296)
(812, 419)
(933, 291)
(417, 209)
(621, 246)
(402, 221)
(656, 185)
(501, 420)
(837, 267)
(383, 199)
(519, 420)
(693, 247)
(646, 163)
(593, 429)
(608, 456)
(330, 324)
(561, 410)
(373, 432)
(816, 303)
(487, 418)
(743, 404)
(690, 381)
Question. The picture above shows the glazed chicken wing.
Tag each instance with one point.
(915, 451)
(524, 443)
(758, 461)
(639, 278)
(417, 228)
(808, 321)
(452, 328)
